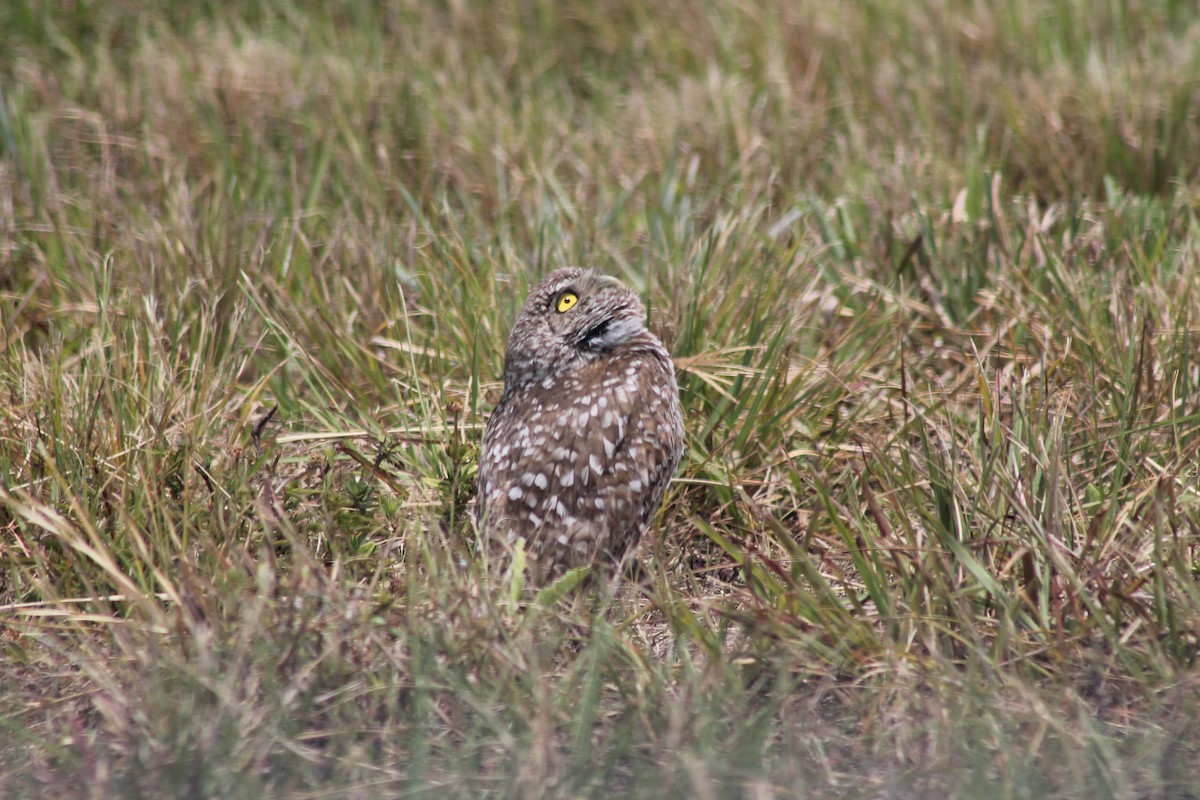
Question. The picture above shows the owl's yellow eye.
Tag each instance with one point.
(566, 300)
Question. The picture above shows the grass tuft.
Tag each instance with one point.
(926, 270)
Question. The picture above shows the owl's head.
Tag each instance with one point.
(572, 317)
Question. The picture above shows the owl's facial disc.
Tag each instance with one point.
(596, 316)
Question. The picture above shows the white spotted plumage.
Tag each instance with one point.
(578, 452)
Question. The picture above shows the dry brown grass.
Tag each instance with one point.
(927, 270)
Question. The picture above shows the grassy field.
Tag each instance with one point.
(928, 270)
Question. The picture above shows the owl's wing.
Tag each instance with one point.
(615, 460)
(577, 464)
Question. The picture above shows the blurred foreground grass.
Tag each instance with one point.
(928, 270)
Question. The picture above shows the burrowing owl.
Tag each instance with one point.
(588, 432)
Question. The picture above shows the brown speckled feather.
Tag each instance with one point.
(578, 453)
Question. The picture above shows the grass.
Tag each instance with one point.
(928, 272)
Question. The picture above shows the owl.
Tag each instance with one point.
(578, 452)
